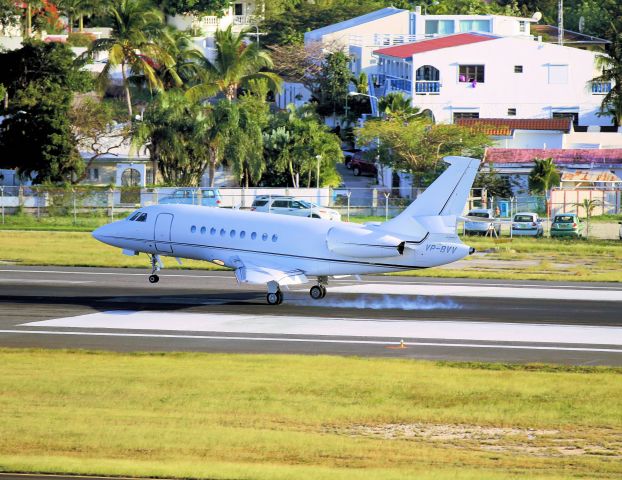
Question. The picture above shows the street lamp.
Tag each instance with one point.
(358, 94)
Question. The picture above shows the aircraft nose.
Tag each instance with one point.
(101, 232)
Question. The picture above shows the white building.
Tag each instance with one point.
(471, 75)
(241, 15)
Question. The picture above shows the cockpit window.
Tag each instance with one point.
(142, 218)
(134, 217)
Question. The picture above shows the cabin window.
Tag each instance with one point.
(264, 237)
(232, 233)
(193, 229)
(203, 230)
(212, 231)
(253, 235)
(223, 232)
(275, 238)
(242, 234)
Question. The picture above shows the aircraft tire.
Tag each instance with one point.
(274, 298)
(316, 292)
(154, 279)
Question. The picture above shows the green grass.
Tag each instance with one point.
(286, 417)
(82, 223)
(522, 258)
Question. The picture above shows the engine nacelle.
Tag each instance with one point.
(363, 243)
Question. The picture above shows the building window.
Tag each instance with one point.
(458, 115)
(475, 25)
(238, 9)
(511, 112)
(471, 74)
(518, 69)
(94, 173)
(440, 27)
(558, 74)
(522, 26)
(574, 115)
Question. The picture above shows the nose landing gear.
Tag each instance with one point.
(156, 265)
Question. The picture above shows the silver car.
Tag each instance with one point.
(527, 224)
(485, 222)
(293, 206)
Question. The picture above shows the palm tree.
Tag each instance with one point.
(74, 9)
(543, 177)
(396, 105)
(611, 66)
(589, 206)
(188, 59)
(235, 65)
(135, 23)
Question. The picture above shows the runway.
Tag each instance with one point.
(404, 317)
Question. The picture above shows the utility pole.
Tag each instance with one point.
(560, 22)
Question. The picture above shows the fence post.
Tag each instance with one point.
(348, 194)
(374, 201)
(2, 201)
(20, 196)
(386, 205)
(73, 197)
(111, 203)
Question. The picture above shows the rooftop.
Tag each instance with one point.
(449, 41)
(356, 21)
(570, 37)
(583, 156)
(506, 126)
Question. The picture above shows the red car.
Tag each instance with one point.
(360, 166)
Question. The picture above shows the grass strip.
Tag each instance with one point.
(285, 417)
(521, 259)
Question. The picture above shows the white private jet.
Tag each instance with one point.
(279, 250)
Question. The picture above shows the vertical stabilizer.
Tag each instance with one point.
(446, 197)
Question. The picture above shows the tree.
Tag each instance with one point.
(495, 184)
(333, 86)
(396, 105)
(181, 7)
(187, 59)
(95, 131)
(173, 129)
(611, 66)
(236, 65)
(75, 9)
(9, 14)
(135, 24)
(294, 144)
(418, 146)
(299, 63)
(543, 176)
(36, 138)
(589, 206)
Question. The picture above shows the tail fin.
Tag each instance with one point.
(446, 197)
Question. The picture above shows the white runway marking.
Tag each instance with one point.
(310, 340)
(35, 280)
(340, 327)
(483, 291)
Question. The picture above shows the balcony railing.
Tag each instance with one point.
(426, 87)
(210, 21)
(400, 84)
(243, 19)
(383, 39)
(601, 88)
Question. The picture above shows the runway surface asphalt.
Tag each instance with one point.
(439, 319)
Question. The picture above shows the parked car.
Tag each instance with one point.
(527, 224)
(480, 227)
(567, 225)
(361, 166)
(285, 205)
(208, 197)
(348, 155)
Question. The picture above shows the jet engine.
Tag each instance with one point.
(363, 243)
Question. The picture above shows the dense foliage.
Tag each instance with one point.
(175, 7)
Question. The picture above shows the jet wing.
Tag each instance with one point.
(248, 272)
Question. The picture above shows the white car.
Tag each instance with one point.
(527, 224)
(293, 206)
(480, 227)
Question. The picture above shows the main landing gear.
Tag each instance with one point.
(274, 297)
(317, 292)
(155, 267)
